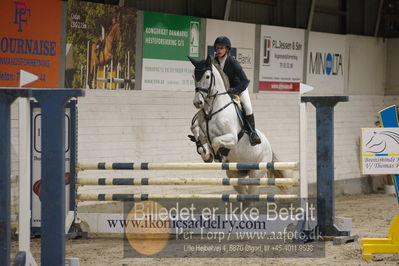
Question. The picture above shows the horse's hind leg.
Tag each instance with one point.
(256, 174)
(92, 66)
(238, 174)
(241, 189)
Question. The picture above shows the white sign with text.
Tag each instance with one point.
(380, 151)
(281, 58)
(36, 163)
(327, 64)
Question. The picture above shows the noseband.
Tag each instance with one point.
(204, 90)
(207, 91)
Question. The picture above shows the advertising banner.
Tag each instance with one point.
(281, 58)
(327, 64)
(244, 56)
(167, 41)
(30, 41)
(380, 151)
(242, 37)
(36, 163)
(101, 42)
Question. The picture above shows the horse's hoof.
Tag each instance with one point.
(254, 138)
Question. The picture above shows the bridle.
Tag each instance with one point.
(209, 116)
(206, 91)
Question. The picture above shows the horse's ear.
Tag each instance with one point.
(193, 61)
(208, 61)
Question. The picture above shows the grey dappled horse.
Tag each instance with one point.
(217, 128)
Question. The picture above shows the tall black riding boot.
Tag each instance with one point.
(254, 138)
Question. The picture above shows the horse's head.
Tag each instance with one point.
(204, 80)
(113, 40)
(383, 142)
(376, 144)
(115, 32)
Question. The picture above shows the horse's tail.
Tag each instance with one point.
(278, 173)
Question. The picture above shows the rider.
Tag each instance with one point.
(105, 28)
(238, 82)
(101, 41)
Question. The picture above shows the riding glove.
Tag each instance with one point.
(232, 91)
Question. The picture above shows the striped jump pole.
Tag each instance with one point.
(187, 181)
(189, 166)
(156, 197)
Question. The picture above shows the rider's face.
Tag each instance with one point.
(221, 50)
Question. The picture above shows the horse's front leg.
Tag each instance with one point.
(205, 154)
(222, 144)
(203, 148)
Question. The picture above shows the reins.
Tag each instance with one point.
(209, 116)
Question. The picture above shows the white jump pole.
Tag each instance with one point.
(88, 65)
(303, 180)
(187, 166)
(111, 76)
(25, 171)
(128, 68)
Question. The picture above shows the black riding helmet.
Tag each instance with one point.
(222, 40)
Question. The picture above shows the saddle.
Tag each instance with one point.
(237, 101)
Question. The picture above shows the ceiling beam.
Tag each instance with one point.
(311, 14)
(261, 2)
(378, 19)
(227, 10)
(330, 11)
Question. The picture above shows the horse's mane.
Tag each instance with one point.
(392, 135)
(381, 146)
(219, 82)
(115, 32)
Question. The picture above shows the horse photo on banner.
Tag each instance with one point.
(101, 42)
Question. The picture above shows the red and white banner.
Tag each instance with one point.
(281, 58)
(278, 86)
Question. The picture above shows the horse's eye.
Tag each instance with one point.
(207, 76)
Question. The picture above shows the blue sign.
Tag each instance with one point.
(389, 118)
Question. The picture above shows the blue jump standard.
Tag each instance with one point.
(52, 102)
(325, 162)
(389, 118)
(7, 97)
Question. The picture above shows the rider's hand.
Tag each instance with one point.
(231, 91)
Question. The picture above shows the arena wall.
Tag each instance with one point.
(392, 81)
(153, 126)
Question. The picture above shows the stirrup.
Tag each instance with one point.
(254, 139)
